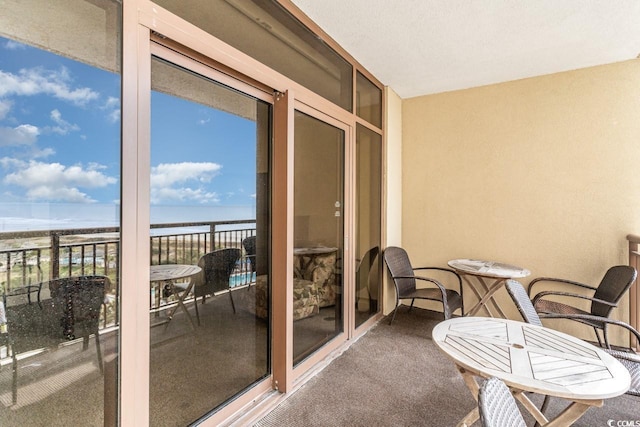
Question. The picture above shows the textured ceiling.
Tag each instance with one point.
(420, 47)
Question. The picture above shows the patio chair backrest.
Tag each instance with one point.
(249, 245)
(81, 298)
(497, 406)
(615, 283)
(72, 311)
(217, 267)
(364, 268)
(399, 265)
(521, 299)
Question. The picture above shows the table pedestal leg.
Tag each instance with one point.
(471, 418)
(472, 384)
(486, 296)
(567, 417)
(530, 407)
(180, 298)
(572, 413)
(158, 297)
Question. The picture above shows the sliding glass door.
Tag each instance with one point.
(318, 304)
(60, 173)
(209, 242)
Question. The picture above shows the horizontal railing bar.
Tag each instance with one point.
(81, 257)
(101, 230)
(63, 232)
(196, 224)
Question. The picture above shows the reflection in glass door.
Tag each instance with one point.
(368, 223)
(318, 234)
(208, 302)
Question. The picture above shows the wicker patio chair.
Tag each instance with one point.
(497, 406)
(249, 245)
(72, 312)
(523, 303)
(627, 357)
(607, 294)
(217, 267)
(404, 281)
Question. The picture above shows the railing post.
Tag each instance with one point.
(8, 283)
(212, 239)
(54, 272)
(634, 293)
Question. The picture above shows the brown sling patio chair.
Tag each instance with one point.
(365, 265)
(72, 312)
(217, 267)
(249, 245)
(627, 357)
(615, 283)
(404, 280)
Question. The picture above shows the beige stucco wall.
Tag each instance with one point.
(393, 183)
(541, 173)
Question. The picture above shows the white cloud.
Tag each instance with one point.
(54, 181)
(8, 162)
(112, 102)
(112, 106)
(41, 153)
(67, 194)
(12, 45)
(167, 181)
(5, 107)
(20, 135)
(183, 194)
(114, 116)
(63, 127)
(167, 174)
(37, 81)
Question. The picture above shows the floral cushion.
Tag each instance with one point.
(320, 269)
(305, 298)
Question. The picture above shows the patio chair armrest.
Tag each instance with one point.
(448, 270)
(592, 318)
(426, 279)
(557, 280)
(440, 286)
(572, 295)
(629, 356)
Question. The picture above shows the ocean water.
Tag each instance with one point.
(60, 216)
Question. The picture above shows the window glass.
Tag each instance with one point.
(368, 223)
(268, 33)
(60, 212)
(368, 101)
(318, 309)
(209, 290)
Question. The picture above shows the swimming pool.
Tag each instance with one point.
(241, 279)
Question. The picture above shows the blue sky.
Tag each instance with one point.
(60, 139)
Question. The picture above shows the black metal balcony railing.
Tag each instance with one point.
(30, 258)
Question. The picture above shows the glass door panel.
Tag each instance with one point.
(209, 290)
(60, 176)
(368, 223)
(318, 234)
